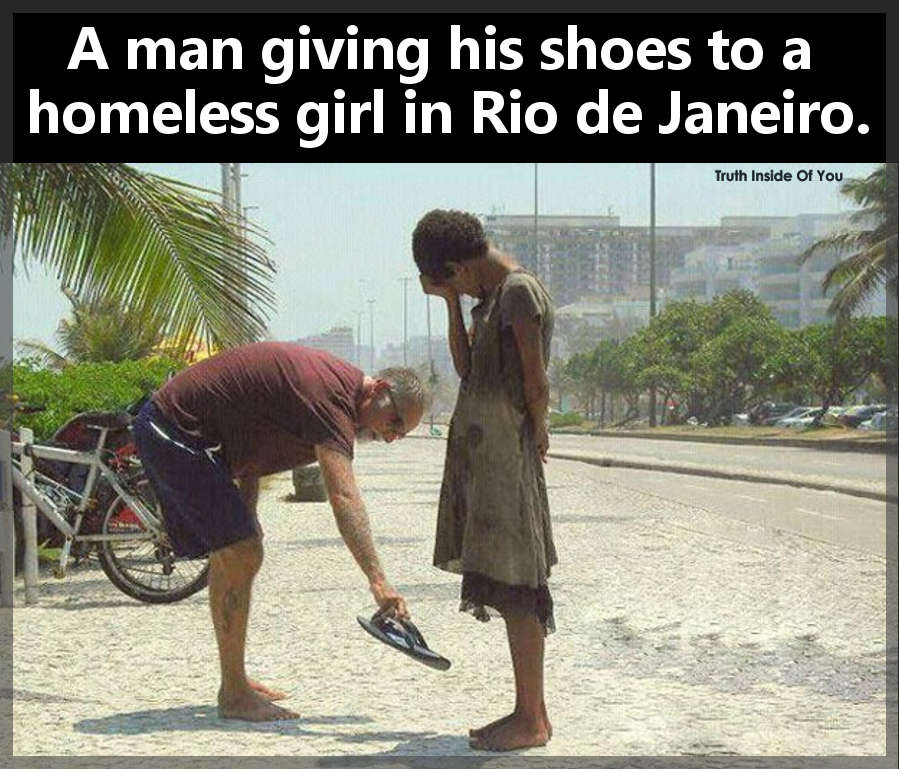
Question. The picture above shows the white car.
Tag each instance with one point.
(787, 419)
(803, 420)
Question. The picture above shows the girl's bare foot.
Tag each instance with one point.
(269, 694)
(252, 706)
(513, 734)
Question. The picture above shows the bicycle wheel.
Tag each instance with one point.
(146, 569)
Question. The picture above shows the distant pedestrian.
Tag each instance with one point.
(493, 522)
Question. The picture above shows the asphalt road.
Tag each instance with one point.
(824, 516)
(848, 465)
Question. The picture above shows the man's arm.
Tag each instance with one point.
(536, 385)
(355, 529)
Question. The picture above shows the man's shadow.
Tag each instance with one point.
(203, 718)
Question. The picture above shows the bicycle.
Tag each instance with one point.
(99, 499)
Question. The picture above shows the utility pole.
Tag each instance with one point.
(371, 333)
(227, 186)
(405, 282)
(235, 182)
(652, 274)
(536, 248)
(359, 315)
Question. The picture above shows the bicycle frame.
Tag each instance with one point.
(98, 468)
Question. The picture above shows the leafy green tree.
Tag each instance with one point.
(160, 247)
(870, 246)
(580, 371)
(558, 379)
(737, 368)
(630, 364)
(835, 360)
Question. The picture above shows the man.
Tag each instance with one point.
(249, 412)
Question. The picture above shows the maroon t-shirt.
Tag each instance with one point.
(269, 404)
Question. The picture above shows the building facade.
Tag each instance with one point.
(578, 256)
(771, 268)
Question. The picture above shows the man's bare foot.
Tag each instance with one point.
(269, 694)
(516, 733)
(252, 706)
(484, 730)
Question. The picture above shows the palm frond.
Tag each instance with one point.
(872, 260)
(43, 352)
(155, 245)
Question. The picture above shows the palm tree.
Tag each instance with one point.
(871, 245)
(159, 247)
(97, 330)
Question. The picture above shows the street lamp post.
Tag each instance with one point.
(652, 274)
(405, 282)
(371, 334)
(359, 314)
(536, 225)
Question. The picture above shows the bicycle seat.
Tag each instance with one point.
(106, 420)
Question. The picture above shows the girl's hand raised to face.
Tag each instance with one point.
(436, 287)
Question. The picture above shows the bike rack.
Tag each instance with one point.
(29, 524)
(7, 530)
(7, 526)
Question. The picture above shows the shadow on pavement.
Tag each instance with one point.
(425, 744)
(204, 718)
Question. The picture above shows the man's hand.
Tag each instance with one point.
(390, 603)
(436, 287)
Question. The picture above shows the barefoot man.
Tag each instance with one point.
(249, 412)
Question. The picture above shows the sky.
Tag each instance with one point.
(341, 233)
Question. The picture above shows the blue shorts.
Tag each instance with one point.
(201, 505)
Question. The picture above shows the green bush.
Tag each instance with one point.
(568, 419)
(83, 387)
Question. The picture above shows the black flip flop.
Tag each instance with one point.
(405, 637)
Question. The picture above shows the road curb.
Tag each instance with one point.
(885, 446)
(709, 472)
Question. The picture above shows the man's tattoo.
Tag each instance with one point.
(230, 603)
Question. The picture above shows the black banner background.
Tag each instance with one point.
(847, 55)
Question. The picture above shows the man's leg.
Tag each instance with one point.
(231, 573)
(528, 725)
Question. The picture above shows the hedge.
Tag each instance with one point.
(84, 387)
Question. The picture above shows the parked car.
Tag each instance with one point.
(795, 413)
(806, 420)
(738, 420)
(806, 416)
(882, 420)
(768, 412)
(854, 416)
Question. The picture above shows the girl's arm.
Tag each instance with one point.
(529, 340)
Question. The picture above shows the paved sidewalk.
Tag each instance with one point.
(680, 633)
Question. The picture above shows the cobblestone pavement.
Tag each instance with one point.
(680, 633)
